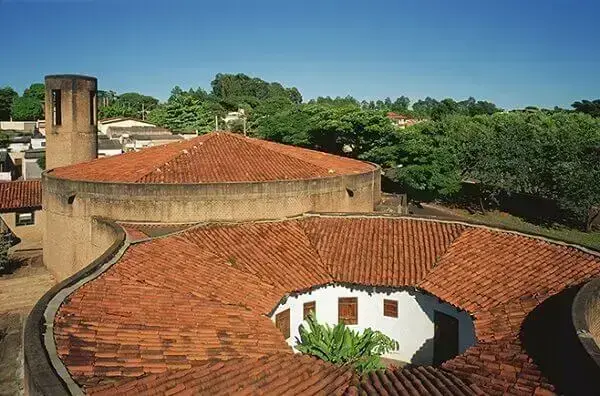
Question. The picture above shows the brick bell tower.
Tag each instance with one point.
(71, 120)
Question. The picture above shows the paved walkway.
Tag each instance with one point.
(19, 291)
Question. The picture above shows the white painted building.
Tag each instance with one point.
(19, 126)
(124, 122)
(418, 322)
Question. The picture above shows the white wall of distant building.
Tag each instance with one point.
(103, 127)
(413, 328)
(21, 126)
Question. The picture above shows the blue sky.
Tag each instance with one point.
(514, 53)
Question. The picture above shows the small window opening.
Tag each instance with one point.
(56, 107)
(23, 219)
(71, 199)
(92, 107)
(348, 310)
(310, 307)
(390, 308)
(350, 192)
(282, 322)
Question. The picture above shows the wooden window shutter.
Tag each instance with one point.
(282, 322)
(308, 307)
(348, 310)
(390, 308)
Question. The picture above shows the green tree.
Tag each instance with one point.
(36, 91)
(7, 96)
(591, 107)
(4, 140)
(42, 162)
(4, 246)
(27, 109)
(341, 346)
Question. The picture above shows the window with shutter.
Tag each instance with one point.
(282, 322)
(390, 308)
(348, 310)
(308, 307)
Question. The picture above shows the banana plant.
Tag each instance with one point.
(341, 345)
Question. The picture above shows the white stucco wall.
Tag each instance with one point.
(413, 328)
(103, 128)
(109, 152)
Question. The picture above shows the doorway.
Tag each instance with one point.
(445, 337)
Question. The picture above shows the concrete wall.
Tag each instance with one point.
(70, 205)
(75, 139)
(413, 328)
(27, 233)
(23, 126)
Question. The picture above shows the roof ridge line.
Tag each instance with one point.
(177, 155)
(289, 155)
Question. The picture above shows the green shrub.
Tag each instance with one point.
(4, 245)
(341, 346)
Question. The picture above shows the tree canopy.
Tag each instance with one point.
(7, 96)
(27, 109)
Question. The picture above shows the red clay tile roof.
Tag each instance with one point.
(216, 157)
(265, 375)
(20, 195)
(426, 381)
(172, 306)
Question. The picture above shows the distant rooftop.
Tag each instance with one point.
(20, 195)
(217, 157)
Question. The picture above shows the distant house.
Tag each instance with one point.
(108, 147)
(137, 142)
(115, 132)
(235, 115)
(18, 126)
(19, 144)
(104, 124)
(401, 120)
(21, 209)
(30, 167)
(7, 167)
(38, 140)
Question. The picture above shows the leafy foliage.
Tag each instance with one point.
(36, 91)
(554, 156)
(591, 107)
(27, 109)
(7, 96)
(340, 345)
(4, 245)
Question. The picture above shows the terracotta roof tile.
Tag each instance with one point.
(214, 158)
(278, 253)
(380, 251)
(20, 195)
(275, 374)
(422, 380)
(172, 306)
(114, 328)
(484, 269)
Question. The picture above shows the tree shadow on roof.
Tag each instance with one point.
(551, 341)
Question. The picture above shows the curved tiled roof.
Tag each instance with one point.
(189, 312)
(20, 195)
(217, 157)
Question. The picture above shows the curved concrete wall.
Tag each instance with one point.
(413, 328)
(71, 240)
(42, 376)
(586, 318)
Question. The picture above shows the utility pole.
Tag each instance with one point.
(245, 126)
(143, 113)
(216, 123)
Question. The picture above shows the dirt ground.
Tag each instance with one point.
(20, 289)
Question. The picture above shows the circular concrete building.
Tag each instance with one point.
(214, 177)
